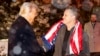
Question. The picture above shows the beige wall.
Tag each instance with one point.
(3, 47)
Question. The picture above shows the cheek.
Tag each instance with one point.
(65, 20)
(35, 14)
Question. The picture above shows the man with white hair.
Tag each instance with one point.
(22, 40)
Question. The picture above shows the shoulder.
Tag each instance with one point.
(98, 24)
(87, 23)
(62, 29)
(20, 22)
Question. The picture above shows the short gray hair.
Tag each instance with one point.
(26, 6)
(73, 10)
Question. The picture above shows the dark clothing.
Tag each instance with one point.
(65, 42)
(59, 48)
(95, 54)
(22, 40)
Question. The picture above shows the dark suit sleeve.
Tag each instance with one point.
(85, 51)
(28, 42)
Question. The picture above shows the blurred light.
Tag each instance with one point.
(14, 0)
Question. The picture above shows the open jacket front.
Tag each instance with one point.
(60, 41)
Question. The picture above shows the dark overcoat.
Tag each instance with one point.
(22, 40)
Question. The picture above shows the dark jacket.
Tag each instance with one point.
(22, 40)
(59, 43)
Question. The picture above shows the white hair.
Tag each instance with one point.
(26, 6)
